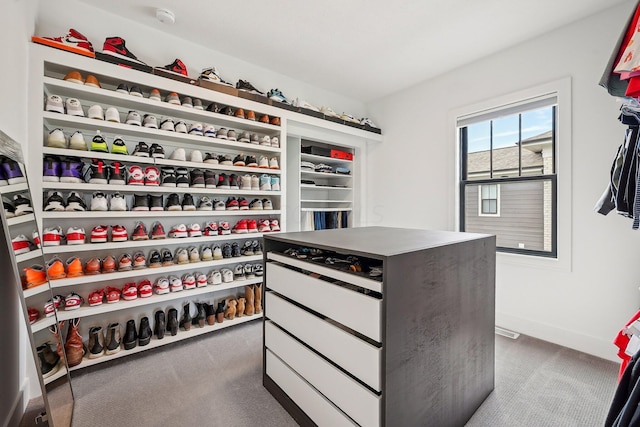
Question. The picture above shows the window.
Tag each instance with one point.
(508, 175)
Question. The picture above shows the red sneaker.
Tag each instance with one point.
(113, 295)
(99, 234)
(241, 227)
(33, 315)
(72, 42)
(115, 46)
(119, 234)
(96, 297)
(274, 225)
(252, 226)
(130, 291)
(140, 232)
(145, 289)
(264, 226)
(73, 301)
(211, 229)
(177, 67)
(157, 231)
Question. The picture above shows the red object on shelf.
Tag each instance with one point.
(343, 155)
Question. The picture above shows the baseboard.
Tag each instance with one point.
(17, 410)
(575, 340)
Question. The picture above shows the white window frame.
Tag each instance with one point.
(480, 199)
(562, 90)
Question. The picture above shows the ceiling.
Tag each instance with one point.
(363, 49)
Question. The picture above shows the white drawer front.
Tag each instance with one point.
(352, 398)
(354, 310)
(358, 357)
(314, 404)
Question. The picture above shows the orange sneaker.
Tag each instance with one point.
(74, 267)
(275, 121)
(93, 266)
(55, 269)
(240, 113)
(108, 264)
(34, 276)
(250, 115)
(92, 80)
(264, 118)
(74, 77)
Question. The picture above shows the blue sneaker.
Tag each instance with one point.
(277, 95)
(275, 183)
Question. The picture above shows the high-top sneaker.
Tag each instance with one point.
(182, 177)
(168, 177)
(115, 46)
(232, 204)
(243, 204)
(223, 181)
(155, 202)
(118, 202)
(72, 41)
(177, 67)
(117, 174)
(75, 202)
(234, 182)
(255, 183)
(188, 203)
(151, 176)
(98, 170)
(99, 202)
(252, 226)
(140, 202)
(275, 226)
(119, 146)
(210, 180)
(275, 183)
(245, 182)
(173, 202)
(71, 170)
(135, 175)
(197, 178)
(240, 227)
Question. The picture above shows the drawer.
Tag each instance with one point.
(314, 404)
(355, 310)
(354, 355)
(352, 398)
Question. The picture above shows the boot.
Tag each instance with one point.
(44, 356)
(258, 297)
(172, 321)
(144, 336)
(73, 347)
(210, 313)
(160, 324)
(250, 304)
(130, 339)
(55, 330)
(199, 318)
(240, 307)
(112, 342)
(230, 312)
(220, 311)
(96, 342)
(185, 322)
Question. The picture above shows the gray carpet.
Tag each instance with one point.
(216, 380)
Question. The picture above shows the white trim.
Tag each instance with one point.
(480, 213)
(562, 89)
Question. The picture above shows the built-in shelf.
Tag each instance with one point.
(21, 219)
(324, 187)
(326, 209)
(43, 323)
(36, 290)
(29, 255)
(61, 372)
(325, 174)
(14, 188)
(313, 158)
(325, 201)
(157, 214)
(88, 188)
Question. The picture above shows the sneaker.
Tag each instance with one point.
(197, 104)
(245, 182)
(275, 183)
(181, 256)
(161, 286)
(232, 204)
(156, 151)
(273, 163)
(35, 276)
(167, 124)
(275, 142)
(187, 203)
(195, 156)
(264, 226)
(99, 144)
(211, 74)
(367, 122)
(56, 139)
(10, 210)
(175, 283)
(247, 87)
(176, 67)
(73, 107)
(197, 179)
(225, 159)
(277, 95)
(139, 261)
(99, 234)
(250, 115)
(99, 202)
(150, 121)
(304, 104)
(248, 271)
(349, 118)
(274, 225)
(234, 182)
(95, 112)
(93, 266)
(181, 127)
(265, 140)
(155, 202)
(243, 204)
(92, 81)
(75, 236)
(179, 231)
(256, 205)
(173, 202)
(21, 244)
(53, 304)
(211, 229)
(210, 180)
(194, 230)
(257, 248)
(239, 160)
(264, 162)
(113, 294)
(254, 139)
(55, 269)
(194, 254)
(119, 233)
(327, 111)
(115, 46)
(206, 253)
(75, 202)
(135, 175)
(157, 231)
(73, 41)
(130, 291)
(141, 150)
(224, 228)
(210, 131)
(52, 236)
(240, 227)
(255, 183)
(112, 115)
(125, 262)
(22, 205)
(73, 301)
(244, 137)
(96, 298)
(54, 203)
(227, 110)
(151, 176)
(214, 277)
(252, 226)
(247, 248)
(118, 203)
(265, 182)
(201, 280)
(188, 281)
(238, 272)
(267, 205)
(239, 113)
(99, 172)
(187, 102)
(227, 275)
(235, 250)
(178, 154)
(54, 104)
(167, 257)
(123, 89)
(154, 95)
(223, 182)
(222, 133)
(77, 141)
(217, 253)
(196, 129)
(213, 107)
(167, 177)
(226, 251)
(231, 135)
(219, 205)
(135, 91)
(133, 118)
(119, 146)
(139, 232)
(205, 204)
(155, 260)
(251, 161)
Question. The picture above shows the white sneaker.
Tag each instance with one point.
(255, 183)
(210, 131)
(77, 141)
(74, 108)
(263, 162)
(196, 129)
(206, 253)
(75, 236)
(133, 118)
(195, 156)
(99, 202)
(179, 231)
(304, 104)
(118, 202)
(227, 275)
(112, 115)
(275, 142)
(265, 140)
(57, 139)
(150, 121)
(175, 283)
(54, 103)
(275, 183)
(245, 183)
(367, 122)
(349, 118)
(96, 112)
(327, 111)
(178, 154)
(181, 127)
(167, 124)
(267, 205)
(214, 277)
(273, 163)
(194, 230)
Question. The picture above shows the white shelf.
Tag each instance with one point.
(21, 219)
(324, 174)
(313, 158)
(127, 102)
(89, 126)
(14, 188)
(160, 162)
(36, 290)
(325, 201)
(43, 323)
(29, 255)
(168, 339)
(326, 209)
(148, 243)
(155, 214)
(62, 371)
(88, 188)
(87, 310)
(172, 269)
(324, 187)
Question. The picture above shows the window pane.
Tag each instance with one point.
(493, 206)
(537, 147)
(506, 135)
(478, 150)
(485, 191)
(493, 191)
(525, 220)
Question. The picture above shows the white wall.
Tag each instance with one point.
(584, 307)
(158, 47)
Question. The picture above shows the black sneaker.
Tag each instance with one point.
(223, 181)
(22, 205)
(98, 171)
(225, 159)
(155, 260)
(141, 150)
(75, 203)
(167, 177)
(257, 248)
(54, 202)
(156, 151)
(239, 160)
(182, 177)
(173, 203)
(251, 161)
(197, 178)
(210, 180)
(155, 202)
(10, 210)
(235, 250)
(205, 204)
(247, 248)
(117, 174)
(213, 107)
(248, 87)
(188, 203)
(226, 251)
(140, 202)
(167, 257)
(228, 111)
(211, 158)
(234, 182)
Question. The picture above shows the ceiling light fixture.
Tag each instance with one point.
(165, 16)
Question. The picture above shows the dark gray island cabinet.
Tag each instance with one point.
(412, 347)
